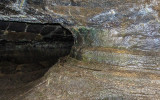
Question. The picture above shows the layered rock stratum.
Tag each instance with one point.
(116, 42)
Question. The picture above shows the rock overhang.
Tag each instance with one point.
(131, 25)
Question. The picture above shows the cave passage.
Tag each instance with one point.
(28, 50)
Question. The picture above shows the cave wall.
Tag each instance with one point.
(24, 31)
(22, 42)
(118, 32)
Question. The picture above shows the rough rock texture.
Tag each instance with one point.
(76, 80)
(106, 23)
(124, 33)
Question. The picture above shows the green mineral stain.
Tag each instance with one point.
(87, 34)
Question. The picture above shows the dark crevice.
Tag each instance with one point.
(28, 50)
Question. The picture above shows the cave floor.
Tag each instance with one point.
(70, 79)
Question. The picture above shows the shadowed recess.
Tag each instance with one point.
(28, 50)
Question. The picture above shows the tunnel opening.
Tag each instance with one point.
(28, 50)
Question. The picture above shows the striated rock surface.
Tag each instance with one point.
(76, 80)
(121, 34)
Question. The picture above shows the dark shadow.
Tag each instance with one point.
(27, 51)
